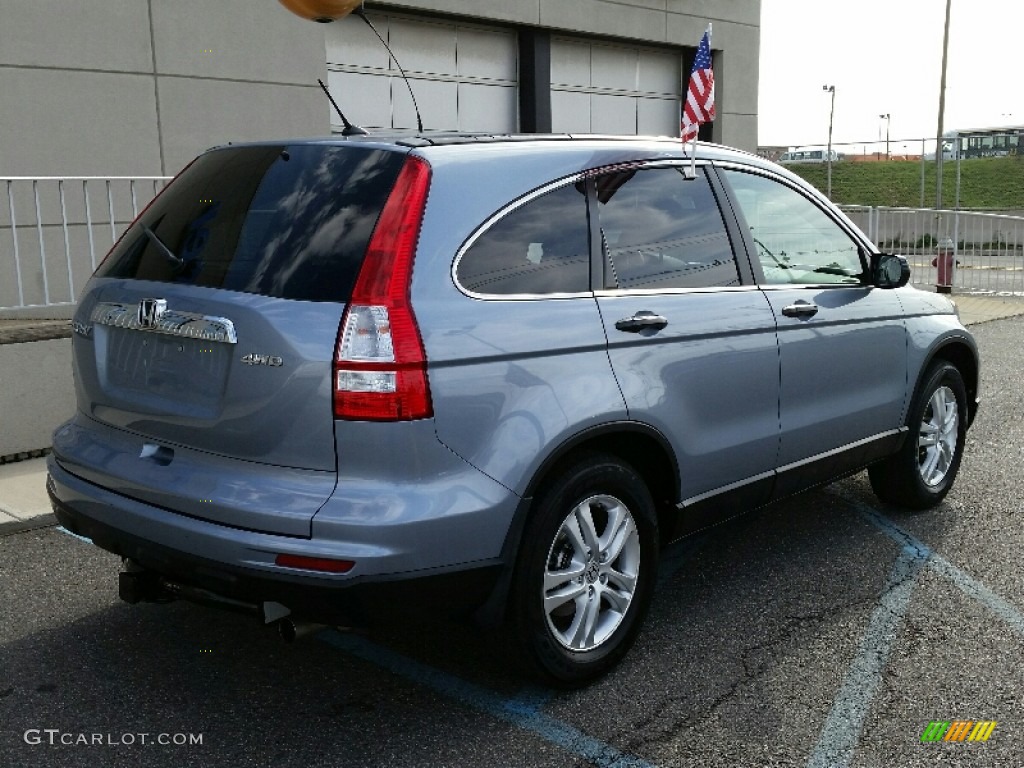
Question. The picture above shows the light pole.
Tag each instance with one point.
(830, 89)
(886, 117)
(942, 113)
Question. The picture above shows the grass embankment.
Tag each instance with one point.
(986, 183)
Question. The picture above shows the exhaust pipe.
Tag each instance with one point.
(291, 630)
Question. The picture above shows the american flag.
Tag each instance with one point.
(699, 106)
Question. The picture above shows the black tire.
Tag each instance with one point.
(585, 635)
(920, 475)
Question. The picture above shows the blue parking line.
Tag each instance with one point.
(522, 711)
(529, 700)
(64, 530)
(842, 729)
(966, 583)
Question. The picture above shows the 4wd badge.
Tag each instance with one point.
(272, 360)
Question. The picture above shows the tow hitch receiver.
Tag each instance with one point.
(138, 585)
(141, 587)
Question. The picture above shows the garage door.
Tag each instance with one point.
(601, 88)
(464, 76)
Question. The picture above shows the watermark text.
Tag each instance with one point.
(55, 737)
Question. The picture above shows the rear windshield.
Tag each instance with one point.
(291, 222)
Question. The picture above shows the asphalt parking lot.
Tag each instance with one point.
(825, 631)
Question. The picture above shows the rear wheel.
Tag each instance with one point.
(920, 475)
(586, 570)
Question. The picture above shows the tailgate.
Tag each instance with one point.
(203, 345)
(246, 377)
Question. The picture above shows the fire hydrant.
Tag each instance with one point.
(945, 262)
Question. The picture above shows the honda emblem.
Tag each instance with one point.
(150, 311)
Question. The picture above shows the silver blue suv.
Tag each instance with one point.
(315, 377)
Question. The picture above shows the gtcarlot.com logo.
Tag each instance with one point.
(958, 730)
(55, 737)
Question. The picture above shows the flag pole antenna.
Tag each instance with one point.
(699, 100)
(693, 155)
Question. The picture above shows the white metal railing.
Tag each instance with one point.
(53, 228)
(989, 247)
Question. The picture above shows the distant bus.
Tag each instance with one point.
(808, 156)
(983, 142)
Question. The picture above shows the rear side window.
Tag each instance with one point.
(664, 231)
(287, 222)
(540, 247)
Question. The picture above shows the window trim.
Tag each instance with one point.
(814, 197)
(750, 274)
(612, 292)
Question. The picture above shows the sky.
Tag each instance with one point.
(885, 57)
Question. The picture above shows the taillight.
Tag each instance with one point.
(380, 368)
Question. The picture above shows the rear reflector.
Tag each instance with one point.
(380, 367)
(322, 564)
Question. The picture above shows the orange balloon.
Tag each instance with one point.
(321, 10)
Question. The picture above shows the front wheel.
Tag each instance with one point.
(920, 475)
(586, 570)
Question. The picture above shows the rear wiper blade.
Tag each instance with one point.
(162, 247)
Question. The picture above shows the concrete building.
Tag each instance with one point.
(137, 88)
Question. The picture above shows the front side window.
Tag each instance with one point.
(541, 247)
(664, 231)
(797, 242)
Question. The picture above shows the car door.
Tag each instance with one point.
(690, 338)
(842, 341)
(517, 362)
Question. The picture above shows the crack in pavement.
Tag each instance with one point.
(841, 732)
(646, 733)
(960, 578)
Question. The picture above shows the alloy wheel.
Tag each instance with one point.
(591, 572)
(936, 442)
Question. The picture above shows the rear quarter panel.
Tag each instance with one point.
(511, 380)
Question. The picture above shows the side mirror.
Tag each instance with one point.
(889, 270)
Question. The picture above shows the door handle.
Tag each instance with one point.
(640, 321)
(800, 309)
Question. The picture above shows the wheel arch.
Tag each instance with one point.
(640, 445)
(961, 354)
(920, 474)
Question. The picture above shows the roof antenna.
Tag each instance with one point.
(362, 14)
(349, 130)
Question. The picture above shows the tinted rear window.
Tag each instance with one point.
(288, 222)
(541, 247)
(663, 231)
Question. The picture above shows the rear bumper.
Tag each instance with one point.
(238, 564)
